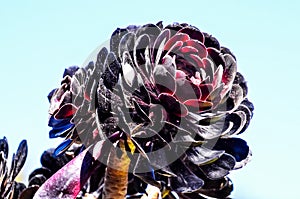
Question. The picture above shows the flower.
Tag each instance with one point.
(9, 188)
(173, 96)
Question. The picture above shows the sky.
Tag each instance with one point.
(38, 39)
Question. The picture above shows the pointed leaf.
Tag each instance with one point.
(68, 181)
(20, 158)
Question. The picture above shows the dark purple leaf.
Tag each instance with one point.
(172, 105)
(201, 156)
(186, 181)
(230, 70)
(53, 163)
(221, 188)
(29, 192)
(236, 147)
(58, 122)
(4, 147)
(220, 168)
(67, 110)
(101, 59)
(60, 131)
(70, 71)
(211, 41)
(193, 33)
(215, 57)
(51, 94)
(40, 171)
(37, 180)
(20, 158)
(187, 90)
(126, 44)
(18, 188)
(112, 71)
(63, 147)
(159, 43)
(143, 171)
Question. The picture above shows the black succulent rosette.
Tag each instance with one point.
(9, 188)
(169, 96)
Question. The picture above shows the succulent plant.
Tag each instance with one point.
(164, 104)
(9, 188)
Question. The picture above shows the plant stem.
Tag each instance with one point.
(116, 176)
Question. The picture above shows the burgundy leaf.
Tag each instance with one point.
(201, 49)
(67, 110)
(178, 37)
(172, 105)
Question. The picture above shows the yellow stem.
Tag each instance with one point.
(116, 176)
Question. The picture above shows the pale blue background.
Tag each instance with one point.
(38, 39)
